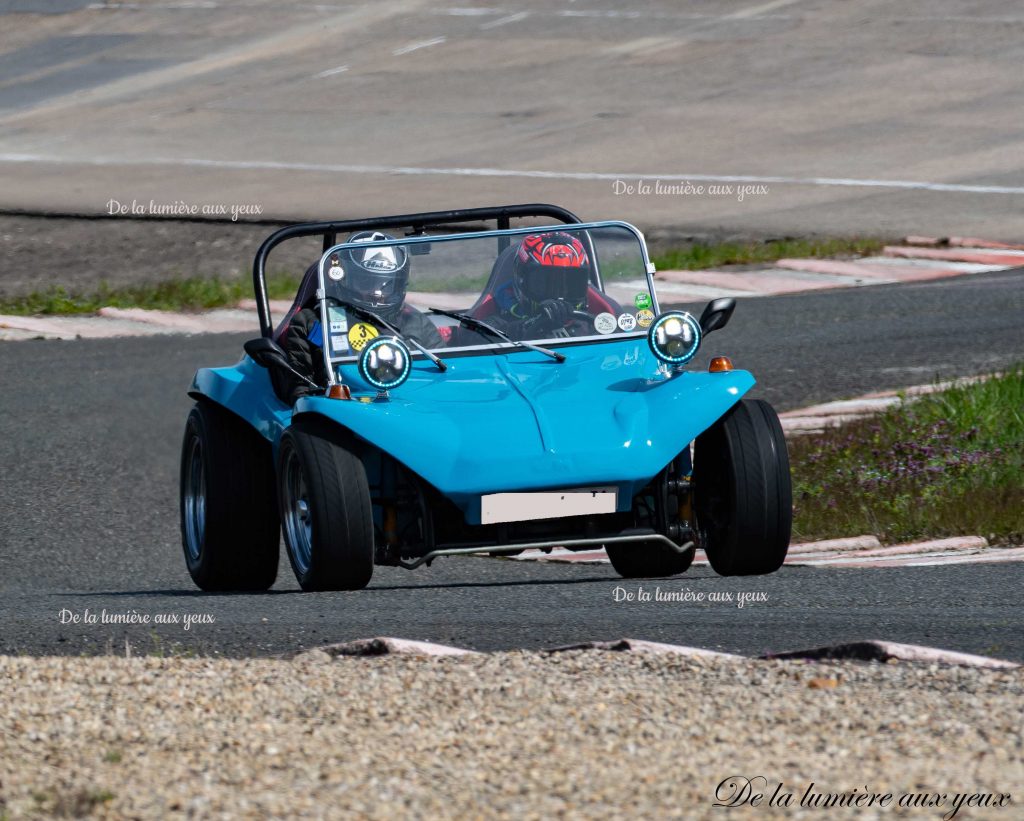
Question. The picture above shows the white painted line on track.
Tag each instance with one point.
(162, 6)
(757, 11)
(330, 72)
(585, 176)
(469, 12)
(610, 14)
(504, 21)
(398, 52)
(748, 14)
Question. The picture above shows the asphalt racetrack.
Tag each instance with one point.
(859, 117)
(89, 443)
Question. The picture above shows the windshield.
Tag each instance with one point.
(551, 286)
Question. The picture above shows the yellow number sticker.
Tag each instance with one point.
(359, 334)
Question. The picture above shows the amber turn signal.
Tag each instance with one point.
(720, 364)
(339, 392)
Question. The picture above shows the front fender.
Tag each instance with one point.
(245, 390)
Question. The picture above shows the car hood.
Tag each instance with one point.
(607, 415)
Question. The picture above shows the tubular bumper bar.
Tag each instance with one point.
(512, 548)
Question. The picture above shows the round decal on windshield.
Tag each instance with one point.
(642, 300)
(644, 318)
(336, 272)
(627, 322)
(604, 323)
(359, 334)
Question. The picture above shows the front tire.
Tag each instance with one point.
(742, 492)
(230, 530)
(326, 511)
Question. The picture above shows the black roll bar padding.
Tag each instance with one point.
(503, 225)
(330, 230)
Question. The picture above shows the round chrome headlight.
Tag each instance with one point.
(385, 363)
(674, 337)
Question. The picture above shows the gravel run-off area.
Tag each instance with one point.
(579, 734)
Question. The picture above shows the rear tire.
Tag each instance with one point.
(645, 561)
(742, 493)
(230, 530)
(326, 511)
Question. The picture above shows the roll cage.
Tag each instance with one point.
(412, 224)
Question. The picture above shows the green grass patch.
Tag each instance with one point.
(192, 294)
(696, 257)
(947, 464)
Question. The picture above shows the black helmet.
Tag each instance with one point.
(374, 278)
(551, 266)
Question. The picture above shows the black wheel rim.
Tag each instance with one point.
(297, 513)
(194, 499)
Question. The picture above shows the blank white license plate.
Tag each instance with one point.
(548, 504)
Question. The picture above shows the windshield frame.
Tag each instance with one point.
(496, 345)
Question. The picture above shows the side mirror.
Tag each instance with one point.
(716, 315)
(265, 352)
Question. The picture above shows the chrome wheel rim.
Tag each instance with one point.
(298, 514)
(195, 499)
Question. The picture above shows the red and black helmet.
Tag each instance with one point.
(551, 266)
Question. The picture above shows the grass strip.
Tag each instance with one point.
(947, 464)
(698, 256)
(192, 294)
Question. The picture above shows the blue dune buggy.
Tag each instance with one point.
(489, 443)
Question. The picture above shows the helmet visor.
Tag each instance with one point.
(539, 283)
(375, 288)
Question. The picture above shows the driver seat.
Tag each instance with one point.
(501, 275)
(304, 297)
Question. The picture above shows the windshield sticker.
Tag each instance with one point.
(642, 300)
(627, 322)
(604, 323)
(644, 318)
(336, 272)
(359, 334)
(339, 343)
(338, 320)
